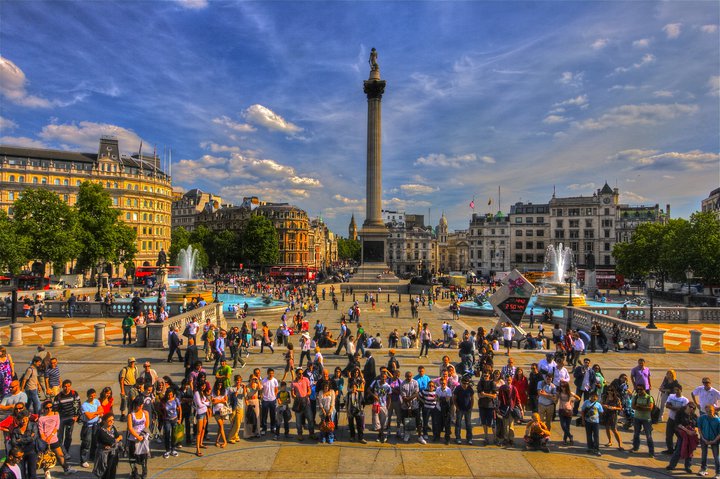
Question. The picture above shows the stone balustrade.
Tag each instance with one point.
(157, 333)
(663, 314)
(648, 340)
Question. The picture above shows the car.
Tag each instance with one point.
(119, 282)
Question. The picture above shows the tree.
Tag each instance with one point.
(50, 224)
(224, 250)
(101, 233)
(126, 247)
(349, 249)
(260, 242)
(14, 247)
(180, 239)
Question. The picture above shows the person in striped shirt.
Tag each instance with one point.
(430, 411)
(52, 379)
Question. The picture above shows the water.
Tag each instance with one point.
(228, 299)
(187, 259)
(558, 259)
(557, 312)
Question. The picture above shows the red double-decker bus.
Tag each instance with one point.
(295, 273)
(24, 282)
(143, 273)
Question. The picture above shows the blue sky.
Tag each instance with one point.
(265, 98)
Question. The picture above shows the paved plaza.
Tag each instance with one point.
(98, 367)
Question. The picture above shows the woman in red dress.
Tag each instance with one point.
(521, 384)
(106, 401)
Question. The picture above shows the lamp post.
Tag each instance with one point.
(100, 266)
(216, 270)
(570, 279)
(689, 274)
(650, 283)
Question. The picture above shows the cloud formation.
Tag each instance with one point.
(554, 119)
(233, 125)
(641, 43)
(714, 85)
(13, 86)
(572, 79)
(599, 44)
(709, 28)
(263, 116)
(457, 161)
(672, 160)
(86, 134)
(644, 114)
(7, 124)
(672, 30)
(645, 60)
(193, 4)
(414, 189)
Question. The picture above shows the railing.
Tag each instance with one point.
(83, 309)
(648, 340)
(157, 333)
(663, 314)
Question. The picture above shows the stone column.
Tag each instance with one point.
(16, 338)
(99, 335)
(374, 88)
(141, 336)
(696, 341)
(58, 335)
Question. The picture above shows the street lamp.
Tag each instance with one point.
(650, 283)
(570, 279)
(100, 266)
(216, 270)
(689, 274)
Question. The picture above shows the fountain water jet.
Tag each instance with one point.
(558, 260)
(188, 286)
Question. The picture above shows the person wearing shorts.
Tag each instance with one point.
(487, 394)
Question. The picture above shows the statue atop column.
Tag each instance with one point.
(373, 61)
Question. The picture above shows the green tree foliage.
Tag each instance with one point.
(14, 247)
(101, 233)
(50, 224)
(348, 249)
(260, 242)
(224, 250)
(668, 250)
(180, 239)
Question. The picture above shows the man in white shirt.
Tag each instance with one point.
(270, 387)
(705, 395)
(675, 402)
(561, 373)
(577, 349)
(547, 365)
(507, 333)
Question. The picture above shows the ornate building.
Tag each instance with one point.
(489, 248)
(292, 226)
(712, 202)
(322, 245)
(352, 229)
(186, 209)
(137, 185)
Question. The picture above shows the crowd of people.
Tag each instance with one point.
(368, 399)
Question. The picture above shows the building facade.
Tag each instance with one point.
(712, 202)
(529, 235)
(186, 209)
(292, 225)
(138, 187)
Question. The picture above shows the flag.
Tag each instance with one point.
(489, 201)
(472, 204)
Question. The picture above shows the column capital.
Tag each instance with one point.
(374, 89)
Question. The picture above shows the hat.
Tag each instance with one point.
(305, 335)
(131, 360)
(392, 351)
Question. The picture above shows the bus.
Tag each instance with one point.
(294, 273)
(604, 278)
(24, 282)
(143, 273)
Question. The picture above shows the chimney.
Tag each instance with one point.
(667, 211)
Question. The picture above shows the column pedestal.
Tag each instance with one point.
(58, 334)
(16, 338)
(99, 335)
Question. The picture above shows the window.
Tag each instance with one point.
(540, 245)
(540, 258)
(574, 245)
(518, 245)
(574, 234)
(518, 233)
(529, 258)
(607, 260)
(11, 196)
(78, 183)
(127, 216)
(539, 220)
(573, 211)
(539, 232)
(589, 233)
(559, 234)
(607, 211)
(607, 233)
(588, 224)
(558, 223)
(588, 211)
(574, 223)
(588, 246)
(607, 246)
(518, 219)
(35, 180)
(528, 232)
(21, 179)
(518, 258)
(57, 181)
(559, 212)
(12, 178)
(528, 245)
(135, 217)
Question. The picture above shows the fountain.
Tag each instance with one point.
(558, 260)
(187, 286)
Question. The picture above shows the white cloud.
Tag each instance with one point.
(404, 205)
(7, 124)
(643, 114)
(709, 28)
(87, 134)
(572, 79)
(457, 161)
(663, 94)
(672, 30)
(641, 43)
(263, 116)
(645, 60)
(629, 196)
(215, 148)
(584, 186)
(671, 160)
(599, 44)
(553, 119)
(348, 201)
(193, 4)
(414, 189)
(233, 125)
(622, 87)
(22, 141)
(714, 85)
(579, 101)
(13, 86)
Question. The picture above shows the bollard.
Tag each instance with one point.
(141, 336)
(343, 296)
(99, 335)
(696, 341)
(58, 335)
(354, 298)
(16, 338)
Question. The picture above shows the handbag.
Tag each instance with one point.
(46, 459)
(178, 433)
(224, 411)
(327, 425)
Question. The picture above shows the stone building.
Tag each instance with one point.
(322, 245)
(712, 202)
(137, 185)
(186, 209)
(411, 246)
(529, 235)
(292, 226)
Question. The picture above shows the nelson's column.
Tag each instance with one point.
(373, 271)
